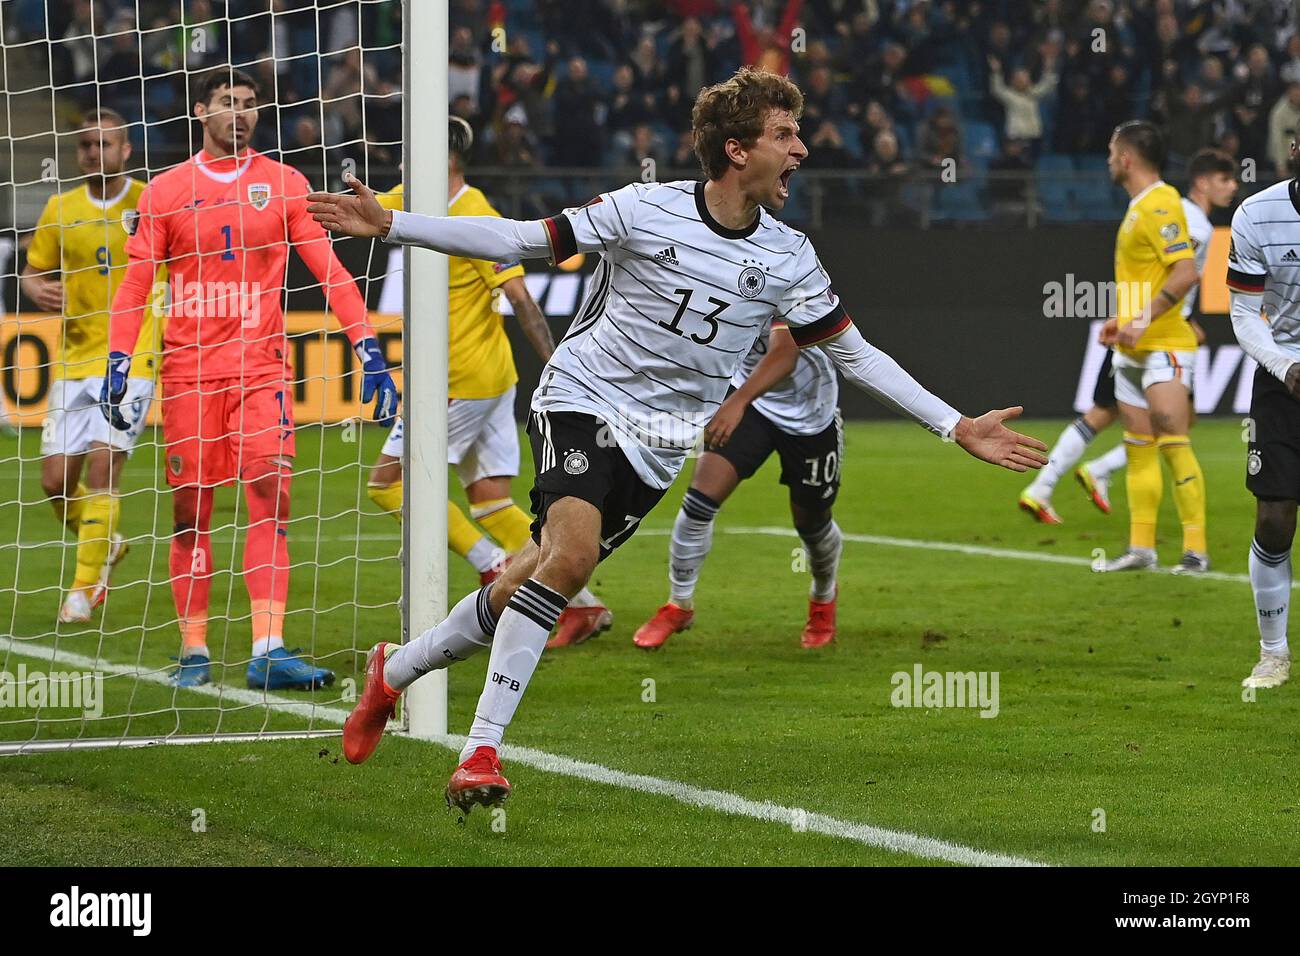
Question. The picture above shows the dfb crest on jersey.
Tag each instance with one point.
(130, 221)
(1254, 463)
(259, 195)
(575, 462)
(751, 282)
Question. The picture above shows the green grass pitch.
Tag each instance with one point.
(1119, 696)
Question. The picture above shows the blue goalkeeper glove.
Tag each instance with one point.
(376, 383)
(114, 390)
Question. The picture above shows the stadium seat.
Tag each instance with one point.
(1054, 177)
(981, 143)
(1095, 195)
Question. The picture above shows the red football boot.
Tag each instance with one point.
(820, 629)
(668, 620)
(578, 624)
(365, 725)
(478, 781)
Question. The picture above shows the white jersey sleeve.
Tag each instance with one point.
(601, 225)
(1201, 231)
(1274, 343)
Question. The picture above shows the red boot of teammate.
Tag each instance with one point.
(668, 620)
(578, 624)
(365, 725)
(820, 629)
(478, 781)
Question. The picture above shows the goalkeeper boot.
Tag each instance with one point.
(365, 725)
(820, 629)
(578, 624)
(478, 781)
(280, 670)
(668, 620)
(1041, 510)
(76, 607)
(1134, 559)
(194, 670)
(117, 549)
(1273, 670)
(1095, 487)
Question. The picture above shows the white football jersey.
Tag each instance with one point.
(804, 402)
(674, 306)
(1199, 228)
(1265, 258)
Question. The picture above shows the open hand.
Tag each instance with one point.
(988, 439)
(357, 215)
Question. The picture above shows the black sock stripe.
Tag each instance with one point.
(538, 603)
(699, 506)
(487, 622)
(540, 591)
(1266, 557)
(1084, 429)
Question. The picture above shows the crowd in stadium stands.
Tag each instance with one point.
(892, 86)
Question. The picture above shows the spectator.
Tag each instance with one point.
(628, 108)
(515, 145)
(1290, 70)
(1011, 167)
(684, 155)
(766, 48)
(306, 153)
(463, 66)
(1282, 123)
(1191, 121)
(647, 66)
(884, 192)
(645, 146)
(1081, 128)
(822, 99)
(826, 149)
(691, 59)
(1020, 100)
(940, 146)
(1257, 88)
(578, 113)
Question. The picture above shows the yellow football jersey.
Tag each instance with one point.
(1152, 237)
(84, 239)
(480, 362)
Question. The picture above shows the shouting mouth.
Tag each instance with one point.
(783, 187)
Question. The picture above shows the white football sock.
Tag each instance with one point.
(265, 645)
(1270, 579)
(1109, 463)
(1065, 454)
(824, 546)
(691, 541)
(483, 555)
(585, 598)
(465, 631)
(521, 636)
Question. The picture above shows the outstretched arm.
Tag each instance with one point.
(986, 437)
(778, 364)
(474, 237)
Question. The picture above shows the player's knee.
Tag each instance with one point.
(569, 570)
(54, 486)
(1275, 526)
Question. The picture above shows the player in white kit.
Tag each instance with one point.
(690, 274)
(785, 403)
(1264, 274)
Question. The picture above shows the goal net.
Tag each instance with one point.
(75, 513)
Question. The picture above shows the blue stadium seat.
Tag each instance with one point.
(981, 142)
(962, 201)
(1054, 174)
(1095, 195)
(852, 136)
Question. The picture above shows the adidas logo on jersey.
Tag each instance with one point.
(668, 255)
(1291, 256)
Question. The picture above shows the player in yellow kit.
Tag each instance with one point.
(482, 437)
(1155, 350)
(74, 265)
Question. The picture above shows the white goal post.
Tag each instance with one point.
(424, 509)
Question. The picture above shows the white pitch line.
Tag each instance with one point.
(299, 708)
(721, 801)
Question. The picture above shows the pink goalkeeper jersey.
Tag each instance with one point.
(224, 228)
